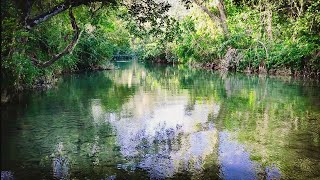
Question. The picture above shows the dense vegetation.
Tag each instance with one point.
(42, 39)
(101, 35)
(255, 36)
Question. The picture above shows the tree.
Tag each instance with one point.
(143, 11)
(26, 7)
(221, 19)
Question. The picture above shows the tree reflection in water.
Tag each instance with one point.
(142, 122)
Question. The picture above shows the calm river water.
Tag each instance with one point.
(146, 122)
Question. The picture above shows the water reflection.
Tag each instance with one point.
(7, 175)
(142, 122)
(235, 161)
(166, 138)
(60, 163)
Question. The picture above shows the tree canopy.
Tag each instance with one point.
(41, 39)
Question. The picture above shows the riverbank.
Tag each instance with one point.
(238, 60)
(232, 64)
(272, 72)
(46, 82)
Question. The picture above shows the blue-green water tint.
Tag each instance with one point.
(147, 122)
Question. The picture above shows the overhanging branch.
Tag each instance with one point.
(45, 16)
(67, 50)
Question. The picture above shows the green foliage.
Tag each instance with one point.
(263, 33)
(103, 35)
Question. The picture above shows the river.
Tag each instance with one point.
(164, 122)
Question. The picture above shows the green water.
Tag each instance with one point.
(164, 122)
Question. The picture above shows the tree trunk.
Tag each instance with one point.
(223, 18)
(269, 25)
(210, 14)
(267, 21)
